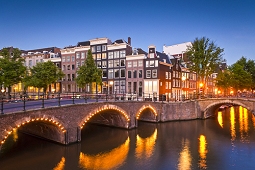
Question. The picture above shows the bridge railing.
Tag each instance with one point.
(41, 100)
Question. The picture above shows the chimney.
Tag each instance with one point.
(129, 41)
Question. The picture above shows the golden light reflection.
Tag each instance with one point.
(110, 160)
(15, 135)
(220, 120)
(61, 164)
(243, 121)
(145, 147)
(185, 156)
(202, 152)
(232, 123)
(253, 120)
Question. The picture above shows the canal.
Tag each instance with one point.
(224, 142)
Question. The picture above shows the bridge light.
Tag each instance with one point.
(2, 142)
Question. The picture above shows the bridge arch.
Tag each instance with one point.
(35, 118)
(150, 117)
(106, 107)
(211, 108)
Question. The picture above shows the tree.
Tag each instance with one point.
(12, 69)
(240, 79)
(42, 75)
(88, 73)
(204, 56)
(248, 66)
(223, 80)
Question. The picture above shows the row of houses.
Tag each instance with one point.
(125, 69)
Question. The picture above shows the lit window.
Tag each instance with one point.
(99, 56)
(103, 55)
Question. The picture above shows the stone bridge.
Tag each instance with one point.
(64, 124)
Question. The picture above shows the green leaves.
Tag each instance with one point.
(12, 69)
(88, 73)
(43, 74)
(204, 56)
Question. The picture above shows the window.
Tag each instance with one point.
(116, 63)
(73, 77)
(147, 64)
(169, 85)
(77, 64)
(103, 47)
(110, 63)
(134, 87)
(148, 73)
(110, 74)
(166, 85)
(98, 56)
(82, 55)
(122, 54)
(122, 73)
(104, 64)
(140, 63)
(68, 58)
(116, 54)
(134, 63)
(63, 59)
(103, 55)
(154, 73)
(110, 55)
(156, 63)
(116, 73)
(99, 48)
(99, 64)
(94, 56)
(169, 75)
(122, 63)
(73, 67)
(36, 61)
(30, 63)
(134, 74)
(140, 73)
(82, 63)
(77, 55)
(129, 74)
(68, 67)
(64, 67)
(152, 63)
(152, 55)
(93, 49)
(166, 75)
(129, 87)
(129, 64)
(173, 73)
(73, 58)
(104, 73)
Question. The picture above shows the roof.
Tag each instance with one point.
(48, 49)
(141, 51)
(163, 57)
(84, 43)
(119, 41)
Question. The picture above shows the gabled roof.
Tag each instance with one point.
(163, 56)
(49, 49)
(141, 51)
(84, 43)
(119, 41)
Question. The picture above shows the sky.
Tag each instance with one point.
(34, 24)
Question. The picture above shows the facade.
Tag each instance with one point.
(157, 78)
(135, 72)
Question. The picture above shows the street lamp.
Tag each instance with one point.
(200, 88)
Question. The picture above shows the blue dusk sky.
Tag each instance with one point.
(33, 24)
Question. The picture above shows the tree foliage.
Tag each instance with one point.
(88, 73)
(204, 57)
(43, 74)
(12, 69)
(223, 80)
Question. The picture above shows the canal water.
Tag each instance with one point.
(226, 141)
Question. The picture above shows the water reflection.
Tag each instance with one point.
(60, 165)
(185, 156)
(220, 120)
(145, 147)
(108, 160)
(202, 152)
(232, 123)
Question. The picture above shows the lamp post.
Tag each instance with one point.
(2, 102)
(200, 88)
